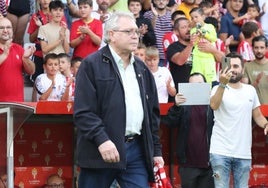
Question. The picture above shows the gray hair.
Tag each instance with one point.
(112, 23)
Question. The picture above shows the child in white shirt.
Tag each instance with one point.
(51, 85)
(163, 79)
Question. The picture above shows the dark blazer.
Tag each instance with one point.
(100, 111)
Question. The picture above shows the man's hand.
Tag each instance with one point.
(5, 49)
(259, 77)
(109, 152)
(29, 51)
(205, 46)
(159, 160)
(225, 76)
(7, 46)
(153, 9)
(143, 29)
(194, 38)
(179, 99)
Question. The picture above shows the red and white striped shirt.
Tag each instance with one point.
(245, 49)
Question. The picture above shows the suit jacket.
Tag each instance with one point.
(100, 111)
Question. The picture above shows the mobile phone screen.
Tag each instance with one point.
(225, 63)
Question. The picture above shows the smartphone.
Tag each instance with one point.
(225, 62)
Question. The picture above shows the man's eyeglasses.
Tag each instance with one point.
(238, 1)
(61, 185)
(129, 32)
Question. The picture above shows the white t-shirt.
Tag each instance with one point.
(161, 76)
(232, 131)
(50, 33)
(42, 83)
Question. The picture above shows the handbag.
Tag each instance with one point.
(161, 180)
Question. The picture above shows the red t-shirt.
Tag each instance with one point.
(11, 79)
(168, 39)
(86, 47)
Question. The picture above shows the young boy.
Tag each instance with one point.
(203, 62)
(163, 79)
(51, 85)
(86, 33)
(65, 65)
(65, 69)
(75, 64)
(252, 15)
(209, 9)
(140, 51)
(145, 27)
(54, 36)
(249, 30)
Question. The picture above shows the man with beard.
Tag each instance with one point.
(256, 72)
(234, 104)
(160, 17)
(102, 14)
(179, 53)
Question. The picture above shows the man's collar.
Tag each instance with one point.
(118, 59)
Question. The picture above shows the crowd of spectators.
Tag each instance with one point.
(177, 38)
(197, 43)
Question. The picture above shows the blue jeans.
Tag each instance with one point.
(223, 165)
(134, 176)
